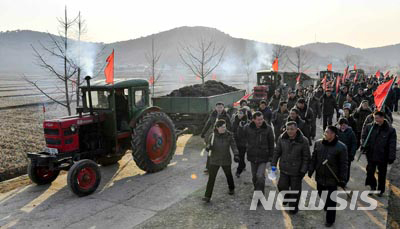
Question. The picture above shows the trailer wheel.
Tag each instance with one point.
(153, 142)
(84, 177)
(41, 174)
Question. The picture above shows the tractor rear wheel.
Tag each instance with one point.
(84, 177)
(41, 174)
(153, 142)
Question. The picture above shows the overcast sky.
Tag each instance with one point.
(359, 23)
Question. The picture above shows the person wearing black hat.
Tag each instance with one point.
(291, 100)
(333, 151)
(360, 115)
(347, 136)
(275, 99)
(329, 105)
(380, 150)
(359, 97)
(352, 122)
(279, 118)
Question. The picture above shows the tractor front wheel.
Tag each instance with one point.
(84, 177)
(41, 174)
(153, 142)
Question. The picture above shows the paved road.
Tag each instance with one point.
(171, 198)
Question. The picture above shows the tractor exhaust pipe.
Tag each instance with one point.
(87, 78)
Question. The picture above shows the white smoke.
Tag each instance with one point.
(84, 55)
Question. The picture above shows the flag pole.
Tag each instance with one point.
(370, 131)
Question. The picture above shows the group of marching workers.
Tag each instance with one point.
(280, 132)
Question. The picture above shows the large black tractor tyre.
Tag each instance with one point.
(84, 177)
(153, 142)
(41, 175)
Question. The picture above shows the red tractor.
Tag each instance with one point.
(114, 118)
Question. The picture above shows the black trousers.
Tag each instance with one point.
(371, 180)
(212, 174)
(258, 173)
(290, 183)
(242, 163)
(313, 128)
(327, 120)
(330, 214)
(396, 106)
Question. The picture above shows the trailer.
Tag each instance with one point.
(192, 112)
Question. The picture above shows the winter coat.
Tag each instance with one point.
(315, 105)
(348, 137)
(352, 123)
(219, 146)
(293, 155)
(359, 98)
(260, 142)
(212, 119)
(340, 99)
(279, 120)
(381, 145)
(291, 102)
(267, 113)
(360, 115)
(328, 104)
(336, 154)
(238, 126)
(301, 124)
(274, 102)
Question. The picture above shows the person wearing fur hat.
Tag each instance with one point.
(329, 161)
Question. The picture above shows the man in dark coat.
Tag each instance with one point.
(307, 114)
(279, 118)
(396, 91)
(349, 101)
(267, 113)
(359, 97)
(341, 96)
(260, 148)
(243, 103)
(380, 150)
(360, 115)
(346, 135)
(293, 153)
(275, 99)
(329, 105)
(333, 151)
(315, 105)
(238, 125)
(291, 100)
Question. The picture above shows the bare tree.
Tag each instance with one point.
(300, 62)
(153, 58)
(203, 58)
(81, 31)
(279, 51)
(58, 49)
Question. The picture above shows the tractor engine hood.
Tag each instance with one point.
(66, 122)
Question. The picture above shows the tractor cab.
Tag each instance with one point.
(267, 82)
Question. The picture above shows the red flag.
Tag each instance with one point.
(298, 78)
(381, 93)
(275, 65)
(324, 83)
(387, 73)
(329, 67)
(355, 67)
(214, 77)
(338, 83)
(109, 70)
(378, 74)
(346, 71)
(355, 77)
(151, 80)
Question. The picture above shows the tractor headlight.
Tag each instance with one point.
(73, 128)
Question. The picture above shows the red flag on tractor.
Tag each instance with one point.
(355, 77)
(381, 93)
(355, 67)
(109, 70)
(346, 72)
(151, 80)
(329, 67)
(275, 65)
